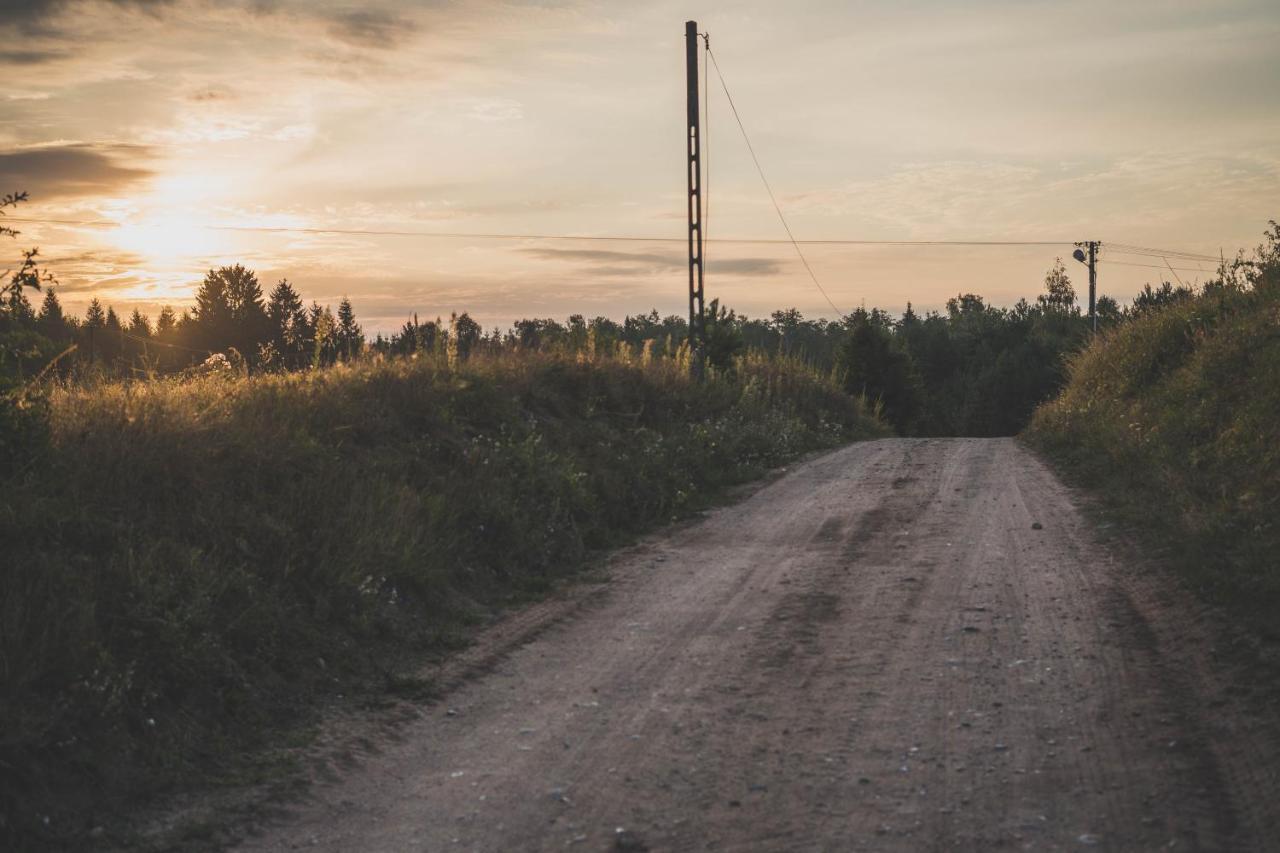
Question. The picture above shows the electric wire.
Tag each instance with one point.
(1148, 266)
(629, 238)
(783, 219)
(1130, 249)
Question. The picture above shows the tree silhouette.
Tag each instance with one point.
(229, 312)
(1059, 295)
(52, 322)
(290, 331)
(349, 336)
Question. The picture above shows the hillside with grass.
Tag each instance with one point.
(195, 564)
(1173, 416)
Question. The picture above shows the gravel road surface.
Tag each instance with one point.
(906, 644)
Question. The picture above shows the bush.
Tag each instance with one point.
(195, 562)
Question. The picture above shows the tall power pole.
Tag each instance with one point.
(1091, 260)
(693, 140)
(1093, 283)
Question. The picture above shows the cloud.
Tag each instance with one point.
(604, 262)
(36, 15)
(370, 28)
(211, 93)
(71, 169)
(32, 57)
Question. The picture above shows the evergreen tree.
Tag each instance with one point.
(288, 320)
(166, 323)
(94, 318)
(229, 311)
(53, 323)
(139, 324)
(876, 368)
(350, 337)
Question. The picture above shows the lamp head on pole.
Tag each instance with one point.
(1078, 254)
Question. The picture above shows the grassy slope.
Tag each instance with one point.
(1176, 417)
(190, 565)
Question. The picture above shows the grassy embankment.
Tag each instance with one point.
(190, 566)
(1175, 418)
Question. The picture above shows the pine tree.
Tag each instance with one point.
(288, 320)
(139, 324)
(350, 337)
(229, 312)
(94, 318)
(166, 322)
(53, 323)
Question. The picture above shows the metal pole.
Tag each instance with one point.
(1093, 283)
(693, 142)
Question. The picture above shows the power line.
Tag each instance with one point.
(1149, 266)
(1129, 249)
(765, 181)
(630, 238)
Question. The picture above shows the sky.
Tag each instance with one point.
(176, 124)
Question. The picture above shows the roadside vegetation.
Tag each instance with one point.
(191, 563)
(1174, 417)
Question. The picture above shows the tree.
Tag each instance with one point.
(350, 337)
(53, 323)
(876, 368)
(724, 338)
(324, 339)
(290, 332)
(94, 318)
(139, 324)
(229, 312)
(1059, 296)
(166, 323)
(464, 333)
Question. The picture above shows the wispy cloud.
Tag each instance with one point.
(604, 262)
(379, 29)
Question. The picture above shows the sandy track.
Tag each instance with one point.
(876, 651)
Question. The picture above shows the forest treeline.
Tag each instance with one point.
(970, 369)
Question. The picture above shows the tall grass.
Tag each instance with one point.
(1176, 416)
(190, 565)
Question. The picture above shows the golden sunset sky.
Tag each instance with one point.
(1151, 123)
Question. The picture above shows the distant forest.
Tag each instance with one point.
(971, 369)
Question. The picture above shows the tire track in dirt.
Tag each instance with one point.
(902, 645)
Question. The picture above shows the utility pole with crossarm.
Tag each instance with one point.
(693, 142)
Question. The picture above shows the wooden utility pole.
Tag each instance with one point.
(1090, 260)
(1093, 283)
(693, 141)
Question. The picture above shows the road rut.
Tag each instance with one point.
(902, 645)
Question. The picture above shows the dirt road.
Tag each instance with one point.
(902, 645)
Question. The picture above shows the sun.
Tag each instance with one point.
(165, 241)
